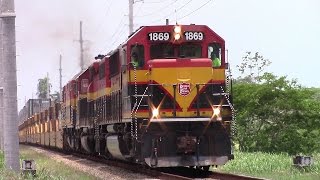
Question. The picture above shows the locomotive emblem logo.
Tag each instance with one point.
(184, 89)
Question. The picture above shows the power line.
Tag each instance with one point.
(108, 9)
(180, 9)
(155, 2)
(157, 11)
(100, 25)
(172, 12)
(138, 10)
(118, 37)
(107, 1)
(115, 37)
(184, 5)
(195, 10)
(119, 25)
(117, 30)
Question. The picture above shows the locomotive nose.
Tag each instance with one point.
(178, 79)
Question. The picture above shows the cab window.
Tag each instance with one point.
(214, 49)
(137, 55)
(75, 88)
(84, 85)
(161, 51)
(214, 53)
(102, 72)
(114, 64)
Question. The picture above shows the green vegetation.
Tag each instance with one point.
(1, 159)
(274, 114)
(271, 166)
(42, 87)
(46, 168)
(276, 118)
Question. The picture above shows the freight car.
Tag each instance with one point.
(161, 98)
(41, 124)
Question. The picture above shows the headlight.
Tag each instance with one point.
(177, 29)
(177, 32)
(155, 112)
(216, 112)
(177, 36)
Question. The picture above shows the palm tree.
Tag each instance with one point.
(42, 89)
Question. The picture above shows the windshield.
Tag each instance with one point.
(190, 51)
(170, 51)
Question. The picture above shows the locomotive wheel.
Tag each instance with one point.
(205, 168)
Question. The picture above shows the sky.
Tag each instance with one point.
(286, 32)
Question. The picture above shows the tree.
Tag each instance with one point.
(255, 64)
(42, 88)
(275, 114)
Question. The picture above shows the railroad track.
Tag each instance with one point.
(226, 176)
(154, 173)
(179, 173)
(192, 173)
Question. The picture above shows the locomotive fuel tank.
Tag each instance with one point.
(117, 142)
(87, 141)
(115, 146)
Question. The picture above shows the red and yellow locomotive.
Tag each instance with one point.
(160, 99)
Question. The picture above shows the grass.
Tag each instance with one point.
(271, 166)
(46, 168)
(264, 165)
(1, 160)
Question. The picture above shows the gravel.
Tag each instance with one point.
(99, 170)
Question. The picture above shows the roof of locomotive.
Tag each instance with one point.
(75, 77)
(158, 28)
(191, 27)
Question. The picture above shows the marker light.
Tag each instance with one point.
(177, 36)
(177, 29)
(155, 112)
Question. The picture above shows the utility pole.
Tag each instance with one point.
(60, 70)
(131, 16)
(131, 2)
(81, 48)
(1, 112)
(1, 85)
(11, 140)
(48, 87)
